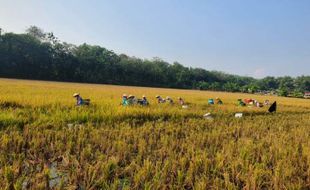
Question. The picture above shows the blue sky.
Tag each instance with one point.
(246, 37)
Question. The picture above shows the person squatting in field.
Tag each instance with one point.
(219, 101)
(181, 101)
(211, 101)
(80, 101)
(160, 100)
(131, 100)
(169, 100)
(124, 100)
(240, 102)
(143, 101)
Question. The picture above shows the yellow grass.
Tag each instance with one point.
(47, 142)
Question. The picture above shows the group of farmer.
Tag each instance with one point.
(252, 102)
(168, 100)
(132, 100)
(217, 101)
(128, 100)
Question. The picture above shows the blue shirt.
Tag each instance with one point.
(79, 101)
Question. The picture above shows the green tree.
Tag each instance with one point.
(203, 85)
(270, 83)
(215, 86)
(231, 87)
(41, 55)
(283, 91)
(36, 32)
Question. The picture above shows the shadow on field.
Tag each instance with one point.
(7, 105)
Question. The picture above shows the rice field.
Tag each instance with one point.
(46, 142)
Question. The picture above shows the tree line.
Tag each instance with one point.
(36, 54)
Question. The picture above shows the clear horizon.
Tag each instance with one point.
(248, 38)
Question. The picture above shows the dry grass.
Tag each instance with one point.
(47, 142)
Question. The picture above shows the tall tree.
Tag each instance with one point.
(36, 32)
(40, 55)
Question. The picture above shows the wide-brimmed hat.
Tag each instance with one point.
(143, 96)
(157, 96)
(76, 94)
(168, 97)
(124, 95)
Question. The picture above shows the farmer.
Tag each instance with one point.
(124, 100)
(181, 101)
(144, 101)
(259, 105)
(248, 100)
(219, 101)
(169, 100)
(211, 101)
(160, 99)
(79, 100)
(131, 100)
(240, 103)
(273, 107)
(266, 102)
